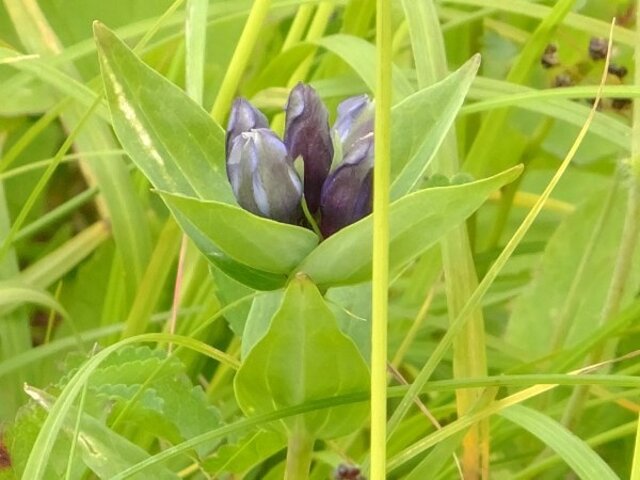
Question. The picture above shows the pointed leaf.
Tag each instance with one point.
(420, 125)
(259, 242)
(576, 453)
(303, 357)
(417, 221)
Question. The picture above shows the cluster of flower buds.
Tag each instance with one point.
(261, 166)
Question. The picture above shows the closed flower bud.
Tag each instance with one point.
(262, 176)
(243, 117)
(307, 135)
(355, 120)
(348, 192)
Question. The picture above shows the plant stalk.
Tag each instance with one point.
(299, 450)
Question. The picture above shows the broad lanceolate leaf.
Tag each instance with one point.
(562, 305)
(583, 461)
(417, 221)
(420, 124)
(170, 138)
(262, 243)
(303, 357)
(180, 149)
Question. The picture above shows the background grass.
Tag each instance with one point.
(89, 254)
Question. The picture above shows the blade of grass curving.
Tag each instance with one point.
(51, 268)
(605, 126)
(531, 9)
(380, 266)
(14, 293)
(493, 272)
(44, 179)
(118, 200)
(481, 159)
(39, 164)
(576, 453)
(57, 213)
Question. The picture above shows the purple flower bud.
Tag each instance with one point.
(355, 120)
(307, 135)
(262, 176)
(243, 117)
(348, 192)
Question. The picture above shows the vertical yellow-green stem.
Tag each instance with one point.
(300, 21)
(240, 59)
(635, 467)
(381, 242)
(299, 450)
(469, 356)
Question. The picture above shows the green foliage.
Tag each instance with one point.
(269, 374)
(302, 357)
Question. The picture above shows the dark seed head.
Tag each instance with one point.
(562, 80)
(549, 57)
(619, 71)
(348, 472)
(598, 48)
(620, 103)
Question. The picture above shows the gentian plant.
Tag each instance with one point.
(242, 200)
(261, 167)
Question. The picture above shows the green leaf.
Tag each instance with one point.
(561, 306)
(13, 294)
(263, 308)
(420, 125)
(417, 221)
(170, 138)
(360, 55)
(576, 453)
(105, 452)
(251, 240)
(175, 143)
(304, 357)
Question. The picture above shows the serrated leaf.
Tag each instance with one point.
(105, 452)
(417, 221)
(303, 357)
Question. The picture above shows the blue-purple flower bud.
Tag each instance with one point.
(307, 135)
(348, 192)
(243, 117)
(355, 120)
(262, 176)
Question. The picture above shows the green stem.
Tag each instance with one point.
(381, 242)
(298, 25)
(310, 219)
(299, 450)
(246, 43)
